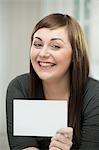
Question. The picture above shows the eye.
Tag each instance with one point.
(55, 46)
(37, 45)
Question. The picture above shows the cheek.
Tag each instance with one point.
(66, 59)
(33, 55)
(68, 55)
(32, 58)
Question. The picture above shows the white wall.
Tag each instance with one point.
(94, 38)
(56, 6)
(17, 18)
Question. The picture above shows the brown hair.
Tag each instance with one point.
(79, 68)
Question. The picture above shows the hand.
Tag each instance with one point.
(62, 140)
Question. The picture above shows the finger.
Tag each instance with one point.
(59, 145)
(61, 138)
(54, 148)
(68, 132)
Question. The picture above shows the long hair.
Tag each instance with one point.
(79, 68)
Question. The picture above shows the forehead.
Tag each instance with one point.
(46, 33)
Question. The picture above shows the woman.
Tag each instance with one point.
(59, 69)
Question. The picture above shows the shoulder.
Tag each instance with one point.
(90, 116)
(19, 84)
(91, 96)
(92, 88)
(21, 79)
(91, 83)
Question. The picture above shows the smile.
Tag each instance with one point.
(46, 64)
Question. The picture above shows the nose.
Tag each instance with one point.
(44, 52)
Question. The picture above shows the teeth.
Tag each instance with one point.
(44, 64)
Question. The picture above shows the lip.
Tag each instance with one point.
(46, 63)
(46, 66)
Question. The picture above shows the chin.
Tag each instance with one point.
(45, 78)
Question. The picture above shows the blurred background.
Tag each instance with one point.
(17, 19)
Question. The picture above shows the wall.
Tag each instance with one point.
(17, 19)
(94, 38)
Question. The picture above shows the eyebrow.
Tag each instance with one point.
(57, 39)
(51, 39)
(38, 38)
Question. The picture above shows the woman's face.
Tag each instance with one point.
(51, 53)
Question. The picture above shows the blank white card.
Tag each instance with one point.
(38, 117)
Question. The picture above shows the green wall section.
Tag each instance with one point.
(82, 7)
(77, 8)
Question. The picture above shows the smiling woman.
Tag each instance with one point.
(59, 70)
(51, 54)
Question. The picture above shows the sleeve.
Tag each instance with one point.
(16, 142)
(90, 123)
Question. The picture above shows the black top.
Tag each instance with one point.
(18, 88)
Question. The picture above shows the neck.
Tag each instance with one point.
(57, 90)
